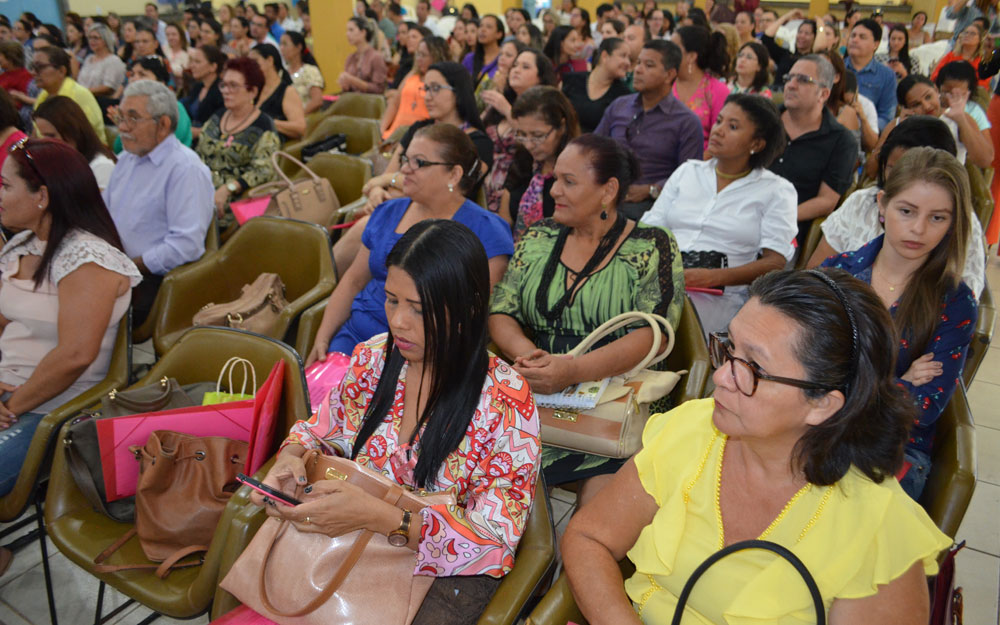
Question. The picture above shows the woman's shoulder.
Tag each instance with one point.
(673, 444)
(263, 123)
(575, 80)
(482, 221)
(649, 234)
(80, 247)
(19, 245)
(508, 387)
(771, 183)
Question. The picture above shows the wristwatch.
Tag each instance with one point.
(233, 186)
(654, 191)
(401, 535)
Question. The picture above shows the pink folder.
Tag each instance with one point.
(245, 210)
(251, 420)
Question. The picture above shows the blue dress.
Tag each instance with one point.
(368, 309)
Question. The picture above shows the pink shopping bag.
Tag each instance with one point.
(249, 420)
(242, 616)
(322, 376)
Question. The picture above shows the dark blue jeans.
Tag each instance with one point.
(916, 477)
(14, 443)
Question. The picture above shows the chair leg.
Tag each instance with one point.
(149, 619)
(49, 590)
(100, 603)
(100, 620)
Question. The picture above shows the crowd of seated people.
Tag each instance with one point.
(537, 176)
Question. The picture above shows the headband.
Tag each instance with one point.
(839, 292)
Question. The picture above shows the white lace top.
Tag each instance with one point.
(33, 313)
(856, 223)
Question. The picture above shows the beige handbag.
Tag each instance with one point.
(310, 199)
(257, 309)
(309, 578)
(614, 427)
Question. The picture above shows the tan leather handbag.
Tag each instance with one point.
(184, 484)
(308, 578)
(257, 309)
(310, 199)
(614, 427)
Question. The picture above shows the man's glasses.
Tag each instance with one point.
(22, 144)
(419, 163)
(801, 79)
(525, 138)
(746, 375)
(127, 120)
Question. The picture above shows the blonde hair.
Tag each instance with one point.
(982, 41)
(920, 304)
(732, 44)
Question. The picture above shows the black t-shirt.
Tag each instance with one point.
(200, 111)
(484, 145)
(783, 59)
(589, 111)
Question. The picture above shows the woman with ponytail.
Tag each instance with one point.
(916, 268)
(701, 78)
(576, 270)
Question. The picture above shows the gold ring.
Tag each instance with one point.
(308, 521)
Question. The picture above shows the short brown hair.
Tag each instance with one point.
(250, 69)
(13, 51)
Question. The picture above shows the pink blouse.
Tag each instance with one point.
(707, 102)
(492, 473)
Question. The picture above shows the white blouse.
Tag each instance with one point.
(856, 223)
(33, 313)
(751, 214)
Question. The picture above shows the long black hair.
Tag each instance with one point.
(299, 41)
(448, 265)
(479, 56)
(546, 76)
(458, 78)
(270, 54)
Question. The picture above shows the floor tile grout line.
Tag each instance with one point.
(17, 612)
(981, 552)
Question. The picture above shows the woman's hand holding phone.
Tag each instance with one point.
(287, 474)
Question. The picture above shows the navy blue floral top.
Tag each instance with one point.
(949, 345)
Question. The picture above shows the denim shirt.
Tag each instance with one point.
(877, 83)
(949, 344)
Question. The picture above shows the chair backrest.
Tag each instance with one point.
(359, 105)
(691, 353)
(811, 242)
(983, 336)
(309, 323)
(296, 250)
(200, 353)
(347, 174)
(982, 199)
(952, 478)
(362, 133)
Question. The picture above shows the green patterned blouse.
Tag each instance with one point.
(645, 274)
(244, 156)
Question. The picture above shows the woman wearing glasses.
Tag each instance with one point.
(103, 72)
(51, 67)
(440, 168)
(545, 122)
(797, 446)
(572, 273)
(734, 220)
(237, 142)
(916, 268)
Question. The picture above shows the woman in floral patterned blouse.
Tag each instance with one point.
(915, 267)
(429, 407)
(237, 142)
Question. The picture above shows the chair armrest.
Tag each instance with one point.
(186, 290)
(557, 607)
(309, 323)
(319, 293)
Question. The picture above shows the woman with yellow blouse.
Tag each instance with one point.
(799, 446)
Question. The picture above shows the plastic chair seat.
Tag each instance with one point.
(952, 478)
(982, 337)
(362, 138)
(359, 105)
(81, 533)
(297, 251)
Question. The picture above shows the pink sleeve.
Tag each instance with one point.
(720, 91)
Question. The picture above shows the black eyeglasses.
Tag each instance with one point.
(419, 163)
(22, 145)
(748, 374)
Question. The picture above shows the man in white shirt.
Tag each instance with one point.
(424, 17)
(160, 195)
(286, 20)
(153, 14)
(259, 32)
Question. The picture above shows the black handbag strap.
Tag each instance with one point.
(752, 544)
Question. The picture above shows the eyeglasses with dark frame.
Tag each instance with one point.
(720, 349)
(419, 163)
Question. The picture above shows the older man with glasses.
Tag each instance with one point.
(160, 194)
(821, 155)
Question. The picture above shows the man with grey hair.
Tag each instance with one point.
(160, 194)
(821, 155)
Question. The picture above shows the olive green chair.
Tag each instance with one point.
(534, 560)
(985, 322)
(309, 327)
(691, 353)
(359, 105)
(363, 139)
(81, 533)
(558, 606)
(952, 478)
(348, 175)
(811, 242)
(297, 251)
(982, 199)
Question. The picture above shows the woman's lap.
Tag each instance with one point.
(14, 443)
(456, 600)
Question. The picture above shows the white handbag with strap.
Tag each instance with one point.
(614, 426)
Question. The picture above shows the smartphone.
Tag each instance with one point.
(267, 491)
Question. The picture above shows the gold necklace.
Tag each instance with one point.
(726, 176)
(892, 287)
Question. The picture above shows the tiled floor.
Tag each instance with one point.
(22, 590)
